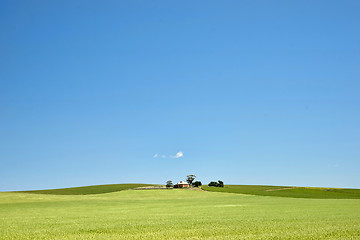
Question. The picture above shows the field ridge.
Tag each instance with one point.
(287, 191)
(85, 190)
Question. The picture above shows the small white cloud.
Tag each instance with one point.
(155, 155)
(178, 155)
(163, 156)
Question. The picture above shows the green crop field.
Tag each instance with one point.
(175, 214)
(286, 191)
(96, 189)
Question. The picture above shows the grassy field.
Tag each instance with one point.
(175, 214)
(96, 189)
(284, 191)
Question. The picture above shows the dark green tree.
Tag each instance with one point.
(169, 184)
(213, 184)
(220, 184)
(197, 184)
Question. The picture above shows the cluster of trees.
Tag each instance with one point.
(190, 180)
(216, 184)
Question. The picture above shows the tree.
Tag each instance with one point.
(216, 184)
(220, 184)
(190, 179)
(213, 184)
(169, 184)
(197, 184)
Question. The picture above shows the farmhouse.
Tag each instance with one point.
(181, 184)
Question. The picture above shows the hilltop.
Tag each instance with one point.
(85, 190)
(260, 190)
(288, 191)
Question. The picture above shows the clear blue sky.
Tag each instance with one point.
(249, 92)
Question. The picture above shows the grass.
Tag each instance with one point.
(283, 191)
(96, 189)
(175, 214)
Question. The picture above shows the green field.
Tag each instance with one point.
(175, 214)
(96, 189)
(286, 191)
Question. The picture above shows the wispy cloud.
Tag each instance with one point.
(178, 155)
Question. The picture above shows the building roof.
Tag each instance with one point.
(182, 182)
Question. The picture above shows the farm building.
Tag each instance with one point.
(181, 184)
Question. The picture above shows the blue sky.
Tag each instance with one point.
(249, 92)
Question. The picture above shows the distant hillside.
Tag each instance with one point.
(262, 190)
(286, 191)
(95, 189)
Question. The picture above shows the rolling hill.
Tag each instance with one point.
(260, 190)
(287, 191)
(173, 214)
(95, 189)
